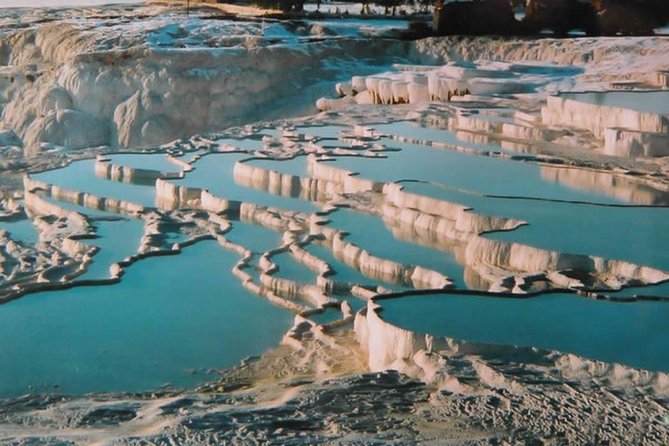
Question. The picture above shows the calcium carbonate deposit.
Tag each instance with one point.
(461, 241)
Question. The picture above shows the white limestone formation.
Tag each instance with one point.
(125, 174)
(390, 347)
(277, 183)
(427, 357)
(597, 118)
(75, 83)
(422, 84)
(625, 132)
(634, 143)
(57, 258)
(523, 258)
(84, 199)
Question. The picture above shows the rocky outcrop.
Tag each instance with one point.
(81, 91)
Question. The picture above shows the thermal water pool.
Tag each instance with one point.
(480, 174)
(370, 232)
(634, 334)
(80, 176)
(653, 101)
(21, 230)
(414, 132)
(295, 166)
(575, 228)
(168, 316)
(158, 162)
(215, 173)
(257, 239)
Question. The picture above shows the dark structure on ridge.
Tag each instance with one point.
(593, 17)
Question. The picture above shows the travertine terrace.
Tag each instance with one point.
(439, 167)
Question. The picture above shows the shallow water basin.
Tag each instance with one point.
(635, 334)
(369, 232)
(80, 176)
(576, 228)
(168, 317)
(642, 101)
(215, 173)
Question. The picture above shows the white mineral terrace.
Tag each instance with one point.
(626, 131)
(467, 233)
(329, 186)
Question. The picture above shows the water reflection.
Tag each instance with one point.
(628, 190)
